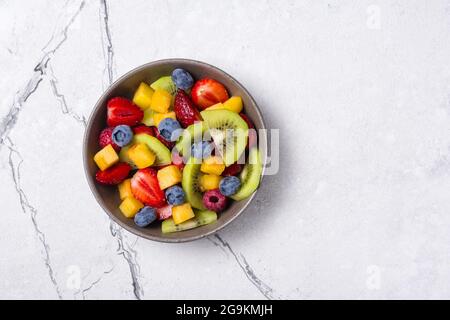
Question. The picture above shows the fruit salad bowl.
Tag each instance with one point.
(126, 86)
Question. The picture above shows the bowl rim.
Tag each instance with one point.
(91, 181)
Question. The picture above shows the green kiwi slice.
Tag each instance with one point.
(250, 176)
(201, 218)
(165, 83)
(192, 133)
(191, 185)
(163, 155)
(229, 132)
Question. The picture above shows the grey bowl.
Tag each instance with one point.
(125, 86)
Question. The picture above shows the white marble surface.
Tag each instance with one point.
(359, 209)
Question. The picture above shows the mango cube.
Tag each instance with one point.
(125, 189)
(157, 117)
(148, 117)
(209, 182)
(106, 157)
(161, 101)
(217, 106)
(182, 213)
(130, 206)
(213, 165)
(143, 96)
(168, 176)
(234, 104)
(141, 155)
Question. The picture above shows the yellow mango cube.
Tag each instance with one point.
(213, 165)
(141, 155)
(157, 117)
(125, 189)
(143, 96)
(209, 182)
(130, 206)
(161, 101)
(216, 106)
(106, 157)
(168, 176)
(182, 213)
(234, 104)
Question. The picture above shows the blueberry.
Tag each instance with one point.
(202, 149)
(182, 79)
(229, 185)
(145, 216)
(122, 135)
(170, 129)
(175, 195)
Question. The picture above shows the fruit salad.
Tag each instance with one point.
(180, 151)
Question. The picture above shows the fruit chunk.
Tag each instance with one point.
(250, 176)
(122, 135)
(213, 165)
(209, 182)
(141, 155)
(122, 111)
(145, 216)
(232, 170)
(201, 218)
(169, 176)
(191, 184)
(157, 117)
(125, 189)
(192, 133)
(229, 185)
(143, 96)
(130, 206)
(164, 83)
(148, 117)
(252, 135)
(106, 157)
(229, 132)
(164, 212)
(170, 129)
(182, 213)
(185, 110)
(145, 188)
(207, 92)
(161, 101)
(175, 195)
(233, 104)
(105, 138)
(113, 175)
(163, 156)
(214, 200)
(144, 129)
(182, 79)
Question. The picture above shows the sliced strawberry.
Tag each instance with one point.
(105, 138)
(232, 170)
(168, 144)
(164, 213)
(123, 111)
(185, 110)
(207, 92)
(144, 129)
(113, 175)
(145, 188)
(252, 135)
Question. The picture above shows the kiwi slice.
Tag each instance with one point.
(229, 132)
(163, 155)
(148, 117)
(192, 133)
(165, 83)
(191, 184)
(250, 176)
(201, 218)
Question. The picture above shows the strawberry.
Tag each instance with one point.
(145, 188)
(168, 144)
(232, 170)
(185, 110)
(252, 135)
(177, 160)
(207, 92)
(123, 111)
(113, 175)
(164, 213)
(144, 129)
(105, 138)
